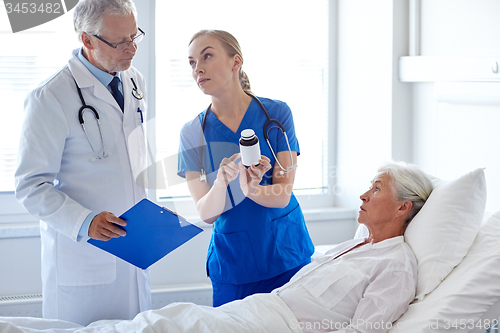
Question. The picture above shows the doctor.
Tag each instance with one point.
(77, 179)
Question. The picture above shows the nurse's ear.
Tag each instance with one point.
(237, 62)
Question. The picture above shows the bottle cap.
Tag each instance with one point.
(247, 134)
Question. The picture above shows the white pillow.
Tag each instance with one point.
(467, 292)
(443, 231)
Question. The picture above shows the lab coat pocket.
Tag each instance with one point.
(292, 238)
(337, 281)
(82, 264)
(232, 259)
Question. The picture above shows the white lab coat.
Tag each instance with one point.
(59, 181)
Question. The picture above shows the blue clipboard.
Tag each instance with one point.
(152, 233)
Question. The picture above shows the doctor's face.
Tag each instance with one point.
(212, 68)
(116, 29)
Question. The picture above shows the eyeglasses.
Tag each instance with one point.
(123, 45)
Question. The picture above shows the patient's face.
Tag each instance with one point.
(378, 207)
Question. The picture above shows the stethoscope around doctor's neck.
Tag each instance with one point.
(203, 175)
(136, 92)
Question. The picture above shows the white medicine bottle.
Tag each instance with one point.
(249, 148)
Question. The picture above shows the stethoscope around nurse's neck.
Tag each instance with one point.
(203, 174)
(136, 92)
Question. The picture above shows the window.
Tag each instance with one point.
(27, 59)
(285, 47)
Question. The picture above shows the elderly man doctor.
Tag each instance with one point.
(78, 180)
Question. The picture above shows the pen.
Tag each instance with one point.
(139, 110)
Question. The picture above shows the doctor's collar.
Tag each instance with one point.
(102, 76)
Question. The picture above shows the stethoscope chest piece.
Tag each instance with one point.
(136, 92)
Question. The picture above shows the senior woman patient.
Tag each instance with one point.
(362, 285)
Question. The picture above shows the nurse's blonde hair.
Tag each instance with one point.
(232, 48)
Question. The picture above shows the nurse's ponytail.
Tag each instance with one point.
(232, 47)
(245, 82)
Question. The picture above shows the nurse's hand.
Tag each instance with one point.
(105, 226)
(250, 178)
(228, 171)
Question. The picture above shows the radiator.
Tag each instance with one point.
(21, 306)
(31, 305)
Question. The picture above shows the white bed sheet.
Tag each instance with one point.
(256, 314)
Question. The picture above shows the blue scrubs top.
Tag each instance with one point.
(249, 242)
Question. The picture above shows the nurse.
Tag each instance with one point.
(259, 238)
(75, 181)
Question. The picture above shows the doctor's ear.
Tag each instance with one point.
(87, 41)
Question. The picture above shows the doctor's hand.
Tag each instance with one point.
(228, 171)
(105, 226)
(250, 178)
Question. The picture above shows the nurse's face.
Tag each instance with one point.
(212, 68)
(378, 207)
(116, 29)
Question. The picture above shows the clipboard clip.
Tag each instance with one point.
(171, 211)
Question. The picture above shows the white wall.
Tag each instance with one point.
(374, 108)
(380, 118)
(452, 139)
(459, 27)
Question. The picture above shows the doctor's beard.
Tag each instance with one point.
(110, 64)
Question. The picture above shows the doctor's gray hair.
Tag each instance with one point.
(88, 14)
(409, 183)
(232, 47)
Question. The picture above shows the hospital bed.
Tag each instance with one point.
(457, 247)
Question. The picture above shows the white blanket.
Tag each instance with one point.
(257, 313)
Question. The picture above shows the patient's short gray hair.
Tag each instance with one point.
(409, 183)
(88, 14)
